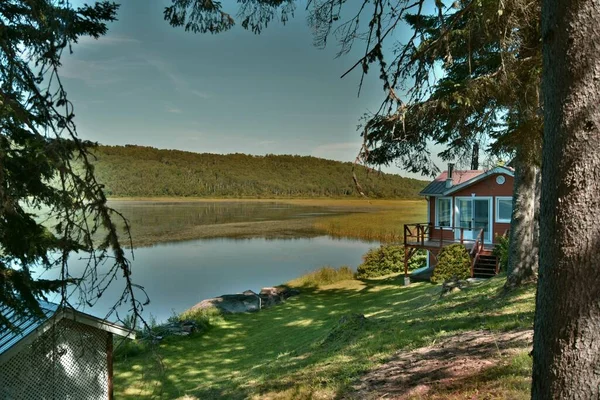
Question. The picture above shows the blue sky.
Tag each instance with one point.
(150, 84)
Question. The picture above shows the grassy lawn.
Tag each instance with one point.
(300, 349)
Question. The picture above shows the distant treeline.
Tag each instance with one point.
(137, 171)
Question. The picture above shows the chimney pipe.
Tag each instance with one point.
(449, 175)
(475, 157)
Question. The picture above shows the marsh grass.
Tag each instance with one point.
(282, 352)
(384, 223)
(371, 220)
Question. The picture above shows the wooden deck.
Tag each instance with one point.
(437, 244)
(427, 235)
(433, 238)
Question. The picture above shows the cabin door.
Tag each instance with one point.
(474, 214)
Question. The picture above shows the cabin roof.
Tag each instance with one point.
(460, 180)
(24, 325)
(30, 327)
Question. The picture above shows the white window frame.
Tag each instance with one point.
(490, 200)
(497, 213)
(437, 211)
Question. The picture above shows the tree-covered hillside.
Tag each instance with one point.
(147, 172)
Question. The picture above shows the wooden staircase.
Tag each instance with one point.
(486, 264)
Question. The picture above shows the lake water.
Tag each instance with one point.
(178, 275)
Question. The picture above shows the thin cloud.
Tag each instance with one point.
(174, 110)
(181, 84)
(267, 142)
(106, 41)
(200, 94)
(342, 151)
(98, 72)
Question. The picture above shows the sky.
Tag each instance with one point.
(150, 84)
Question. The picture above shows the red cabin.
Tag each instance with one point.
(471, 207)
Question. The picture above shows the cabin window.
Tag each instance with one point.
(444, 211)
(503, 209)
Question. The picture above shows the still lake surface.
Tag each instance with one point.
(178, 275)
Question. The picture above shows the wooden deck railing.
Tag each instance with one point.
(434, 235)
(476, 250)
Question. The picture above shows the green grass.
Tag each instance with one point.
(300, 350)
(323, 276)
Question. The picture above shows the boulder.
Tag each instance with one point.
(233, 303)
(248, 301)
(271, 296)
(171, 328)
(453, 285)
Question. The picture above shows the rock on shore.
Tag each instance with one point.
(248, 301)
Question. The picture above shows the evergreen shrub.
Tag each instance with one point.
(501, 251)
(388, 259)
(453, 262)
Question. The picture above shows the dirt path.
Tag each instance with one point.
(412, 374)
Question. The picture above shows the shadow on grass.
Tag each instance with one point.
(284, 348)
(453, 362)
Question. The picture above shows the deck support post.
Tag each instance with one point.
(406, 277)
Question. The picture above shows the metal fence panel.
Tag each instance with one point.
(68, 361)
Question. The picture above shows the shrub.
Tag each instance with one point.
(418, 260)
(324, 276)
(501, 251)
(203, 320)
(203, 317)
(453, 262)
(388, 259)
(124, 348)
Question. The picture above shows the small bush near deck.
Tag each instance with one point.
(324, 276)
(388, 259)
(501, 251)
(453, 262)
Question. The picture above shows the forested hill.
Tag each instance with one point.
(136, 171)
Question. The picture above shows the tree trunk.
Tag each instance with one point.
(524, 226)
(566, 349)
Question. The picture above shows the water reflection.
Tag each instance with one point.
(159, 222)
(178, 214)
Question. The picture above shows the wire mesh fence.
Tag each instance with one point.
(68, 361)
